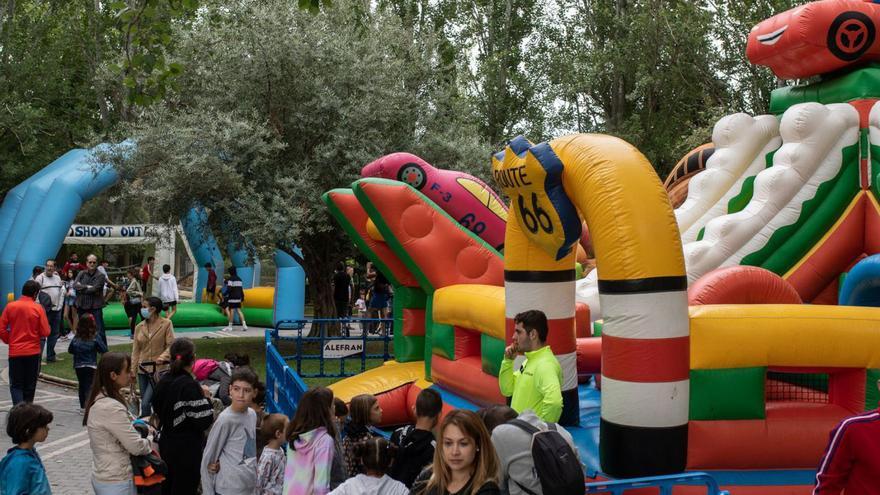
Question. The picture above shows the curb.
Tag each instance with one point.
(59, 381)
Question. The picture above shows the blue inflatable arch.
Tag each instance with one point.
(36, 215)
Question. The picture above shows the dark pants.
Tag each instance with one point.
(99, 321)
(342, 309)
(23, 373)
(184, 459)
(54, 318)
(132, 311)
(85, 377)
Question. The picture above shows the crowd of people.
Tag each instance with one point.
(203, 429)
(370, 297)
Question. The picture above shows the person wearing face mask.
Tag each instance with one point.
(152, 343)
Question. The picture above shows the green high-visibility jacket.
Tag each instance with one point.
(536, 386)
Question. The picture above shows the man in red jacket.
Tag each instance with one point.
(852, 459)
(22, 325)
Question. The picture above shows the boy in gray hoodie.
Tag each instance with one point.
(229, 463)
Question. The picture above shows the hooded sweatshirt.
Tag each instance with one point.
(22, 472)
(368, 485)
(308, 464)
(168, 288)
(232, 442)
(416, 450)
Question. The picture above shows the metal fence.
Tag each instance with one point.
(350, 342)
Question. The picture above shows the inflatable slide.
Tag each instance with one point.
(710, 360)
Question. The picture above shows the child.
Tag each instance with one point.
(365, 414)
(229, 463)
(22, 471)
(313, 449)
(376, 455)
(168, 291)
(416, 443)
(272, 460)
(85, 348)
(361, 307)
(340, 413)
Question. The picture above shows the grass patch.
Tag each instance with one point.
(252, 346)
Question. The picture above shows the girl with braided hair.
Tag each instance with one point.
(376, 455)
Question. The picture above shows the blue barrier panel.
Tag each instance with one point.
(284, 388)
(665, 484)
(343, 340)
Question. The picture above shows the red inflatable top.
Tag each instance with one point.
(816, 38)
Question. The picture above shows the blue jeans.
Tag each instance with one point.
(99, 321)
(114, 487)
(146, 389)
(54, 318)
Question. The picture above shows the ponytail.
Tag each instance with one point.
(376, 454)
(183, 355)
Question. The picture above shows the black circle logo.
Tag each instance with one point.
(851, 35)
(413, 174)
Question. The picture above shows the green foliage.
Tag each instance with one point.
(644, 70)
(750, 85)
(277, 106)
(146, 31)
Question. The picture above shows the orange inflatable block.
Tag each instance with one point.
(794, 435)
(439, 247)
(589, 356)
(466, 377)
(742, 285)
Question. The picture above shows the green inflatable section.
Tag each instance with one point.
(788, 244)
(188, 315)
(857, 85)
(733, 393)
(872, 395)
(256, 317)
(492, 351)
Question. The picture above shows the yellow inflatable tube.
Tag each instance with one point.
(476, 307)
(739, 336)
(257, 297)
(382, 379)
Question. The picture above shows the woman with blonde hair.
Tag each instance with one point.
(465, 462)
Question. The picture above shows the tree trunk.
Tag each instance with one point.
(319, 258)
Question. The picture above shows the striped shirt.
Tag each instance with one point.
(234, 290)
(852, 459)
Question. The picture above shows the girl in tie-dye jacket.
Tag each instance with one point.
(312, 441)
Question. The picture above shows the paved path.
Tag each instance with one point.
(66, 452)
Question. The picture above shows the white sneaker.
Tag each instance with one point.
(244, 328)
(226, 329)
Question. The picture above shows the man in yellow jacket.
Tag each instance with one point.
(537, 385)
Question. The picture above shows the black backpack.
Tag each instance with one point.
(556, 464)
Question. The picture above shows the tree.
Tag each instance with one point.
(751, 84)
(644, 70)
(277, 106)
(72, 70)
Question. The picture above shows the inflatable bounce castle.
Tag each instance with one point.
(730, 334)
(34, 225)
